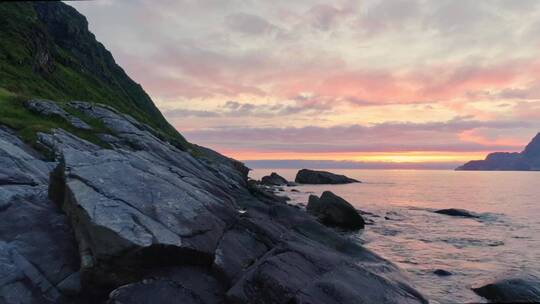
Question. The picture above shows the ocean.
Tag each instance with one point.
(406, 231)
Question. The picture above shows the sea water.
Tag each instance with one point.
(405, 230)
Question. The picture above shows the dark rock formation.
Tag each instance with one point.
(457, 212)
(522, 288)
(306, 176)
(528, 160)
(186, 285)
(442, 272)
(274, 179)
(333, 210)
(146, 222)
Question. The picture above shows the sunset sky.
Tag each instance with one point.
(440, 81)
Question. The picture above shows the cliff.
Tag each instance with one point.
(527, 160)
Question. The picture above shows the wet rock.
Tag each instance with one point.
(306, 176)
(457, 212)
(442, 272)
(333, 210)
(518, 288)
(51, 108)
(274, 179)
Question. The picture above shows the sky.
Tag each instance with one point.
(373, 82)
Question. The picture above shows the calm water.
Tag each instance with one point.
(504, 239)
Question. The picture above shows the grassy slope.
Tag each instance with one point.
(46, 51)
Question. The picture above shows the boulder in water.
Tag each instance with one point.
(333, 210)
(457, 212)
(520, 288)
(442, 272)
(306, 176)
(274, 179)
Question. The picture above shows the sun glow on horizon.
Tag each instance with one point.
(385, 157)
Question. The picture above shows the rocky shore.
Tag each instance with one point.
(134, 219)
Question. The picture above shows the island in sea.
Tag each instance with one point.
(527, 160)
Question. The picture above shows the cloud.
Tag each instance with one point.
(237, 109)
(389, 15)
(383, 137)
(336, 75)
(189, 113)
(249, 24)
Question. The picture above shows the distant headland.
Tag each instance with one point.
(527, 160)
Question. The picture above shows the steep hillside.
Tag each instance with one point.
(48, 52)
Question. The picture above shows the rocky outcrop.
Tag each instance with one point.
(457, 212)
(306, 176)
(38, 255)
(186, 285)
(333, 210)
(145, 222)
(51, 109)
(520, 288)
(274, 179)
(528, 160)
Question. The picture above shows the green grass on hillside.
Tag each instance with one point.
(47, 52)
(27, 124)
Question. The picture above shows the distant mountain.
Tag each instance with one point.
(47, 51)
(528, 160)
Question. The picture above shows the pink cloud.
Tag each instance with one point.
(463, 82)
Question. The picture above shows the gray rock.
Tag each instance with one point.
(274, 179)
(333, 210)
(51, 108)
(301, 271)
(306, 176)
(71, 285)
(237, 251)
(518, 288)
(186, 285)
(151, 210)
(146, 208)
(457, 212)
(132, 135)
(37, 248)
